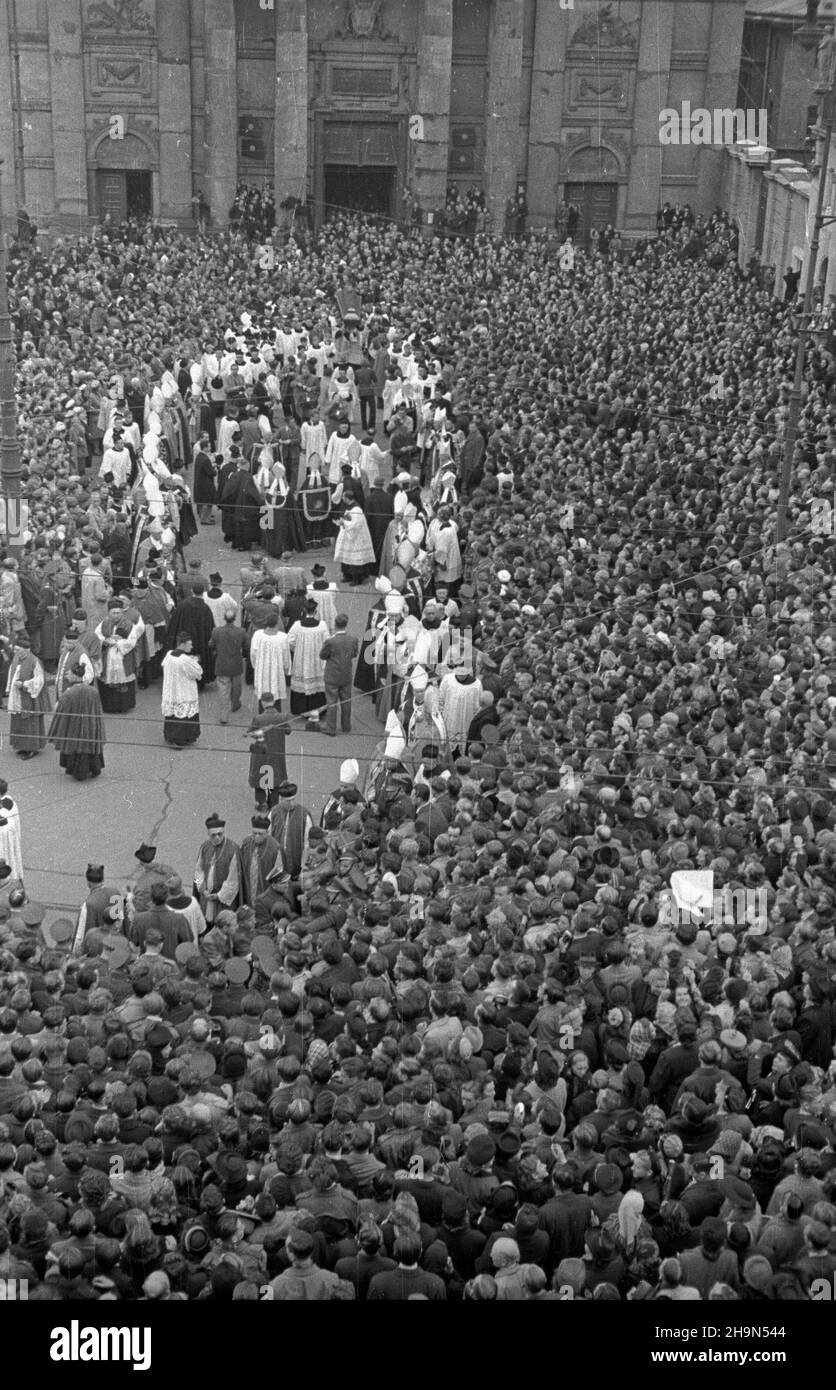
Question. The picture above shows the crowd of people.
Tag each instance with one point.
(253, 211)
(463, 1038)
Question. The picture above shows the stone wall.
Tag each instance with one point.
(770, 200)
(543, 93)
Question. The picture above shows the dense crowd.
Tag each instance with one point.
(465, 1038)
(253, 211)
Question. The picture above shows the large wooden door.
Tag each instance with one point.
(113, 195)
(598, 203)
(370, 154)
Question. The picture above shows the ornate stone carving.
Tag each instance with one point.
(119, 73)
(362, 20)
(119, 16)
(607, 89)
(605, 30)
(118, 70)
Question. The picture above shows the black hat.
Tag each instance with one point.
(146, 854)
(214, 822)
(260, 822)
(5, 870)
(429, 752)
(287, 789)
(216, 578)
(95, 873)
(318, 570)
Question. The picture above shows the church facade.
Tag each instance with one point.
(123, 106)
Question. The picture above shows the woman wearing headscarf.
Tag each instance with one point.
(404, 1219)
(510, 1276)
(631, 1224)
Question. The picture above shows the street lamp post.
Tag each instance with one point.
(791, 436)
(9, 448)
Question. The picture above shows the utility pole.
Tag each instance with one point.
(825, 89)
(9, 448)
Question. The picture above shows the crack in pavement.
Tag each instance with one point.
(169, 801)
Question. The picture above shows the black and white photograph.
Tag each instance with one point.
(421, 416)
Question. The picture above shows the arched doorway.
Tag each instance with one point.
(123, 178)
(593, 177)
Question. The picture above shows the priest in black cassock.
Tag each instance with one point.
(242, 505)
(77, 727)
(260, 856)
(380, 509)
(194, 617)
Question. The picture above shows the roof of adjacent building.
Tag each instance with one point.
(787, 9)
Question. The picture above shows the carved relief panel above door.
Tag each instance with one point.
(608, 89)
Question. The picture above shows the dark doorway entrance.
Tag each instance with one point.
(138, 193)
(360, 188)
(597, 203)
(124, 193)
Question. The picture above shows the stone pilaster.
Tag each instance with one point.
(721, 77)
(66, 79)
(221, 108)
(7, 130)
(652, 78)
(502, 117)
(435, 63)
(175, 87)
(290, 176)
(548, 77)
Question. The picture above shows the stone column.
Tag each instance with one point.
(435, 65)
(721, 77)
(290, 175)
(7, 129)
(548, 77)
(221, 109)
(644, 191)
(175, 84)
(502, 117)
(66, 79)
